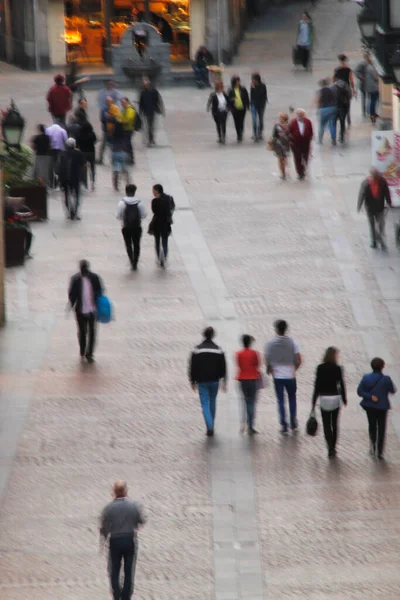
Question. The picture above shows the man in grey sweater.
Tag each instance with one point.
(119, 522)
(283, 358)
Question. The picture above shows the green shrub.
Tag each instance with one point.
(15, 164)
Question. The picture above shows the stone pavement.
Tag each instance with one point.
(231, 518)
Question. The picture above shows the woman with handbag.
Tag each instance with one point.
(280, 142)
(249, 378)
(163, 207)
(329, 387)
(374, 389)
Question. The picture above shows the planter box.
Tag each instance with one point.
(35, 199)
(14, 246)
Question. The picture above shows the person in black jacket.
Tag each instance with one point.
(207, 366)
(329, 387)
(150, 104)
(239, 104)
(375, 194)
(163, 207)
(218, 102)
(84, 289)
(72, 162)
(86, 143)
(203, 59)
(258, 102)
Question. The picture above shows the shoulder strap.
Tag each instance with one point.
(376, 383)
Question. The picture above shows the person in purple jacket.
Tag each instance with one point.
(374, 389)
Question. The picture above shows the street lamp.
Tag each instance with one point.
(367, 23)
(13, 127)
(395, 62)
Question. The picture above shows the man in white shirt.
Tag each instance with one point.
(84, 289)
(283, 358)
(58, 140)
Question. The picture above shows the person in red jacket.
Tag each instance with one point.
(249, 378)
(59, 98)
(300, 135)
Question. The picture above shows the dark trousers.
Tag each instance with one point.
(28, 238)
(220, 122)
(341, 115)
(249, 391)
(300, 154)
(291, 387)
(304, 55)
(330, 423)
(373, 100)
(122, 548)
(150, 118)
(238, 118)
(363, 96)
(379, 220)
(163, 238)
(91, 161)
(201, 74)
(86, 333)
(128, 146)
(103, 144)
(72, 193)
(377, 427)
(132, 243)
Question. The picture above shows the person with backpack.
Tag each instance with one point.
(344, 73)
(163, 207)
(374, 389)
(72, 163)
(343, 97)
(85, 288)
(130, 212)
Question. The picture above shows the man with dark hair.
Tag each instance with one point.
(108, 91)
(344, 74)
(283, 358)
(203, 59)
(207, 366)
(130, 212)
(375, 194)
(72, 162)
(85, 288)
(150, 104)
(258, 102)
(119, 522)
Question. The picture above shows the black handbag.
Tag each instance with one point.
(150, 230)
(312, 424)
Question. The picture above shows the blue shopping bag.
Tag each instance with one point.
(104, 309)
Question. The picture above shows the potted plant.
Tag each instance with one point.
(17, 164)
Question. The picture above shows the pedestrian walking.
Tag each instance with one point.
(343, 98)
(163, 207)
(108, 91)
(218, 103)
(207, 367)
(59, 99)
(360, 72)
(85, 288)
(301, 134)
(72, 163)
(344, 73)
(58, 140)
(127, 118)
(282, 359)
(81, 112)
(110, 115)
(150, 105)
(326, 103)
(249, 377)
(258, 102)
(305, 39)
(374, 389)
(73, 127)
(130, 212)
(119, 523)
(239, 104)
(41, 145)
(281, 142)
(86, 143)
(372, 89)
(330, 389)
(375, 195)
(119, 155)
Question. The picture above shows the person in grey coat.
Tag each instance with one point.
(372, 89)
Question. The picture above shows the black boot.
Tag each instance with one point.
(116, 180)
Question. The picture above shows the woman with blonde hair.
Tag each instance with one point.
(218, 103)
(329, 387)
(281, 143)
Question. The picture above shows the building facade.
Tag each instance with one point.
(39, 34)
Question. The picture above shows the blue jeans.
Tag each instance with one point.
(249, 391)
(208, 397)
(327, 116)
(373, 100)
(201, 74)
(258, 120)
(290, 386)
